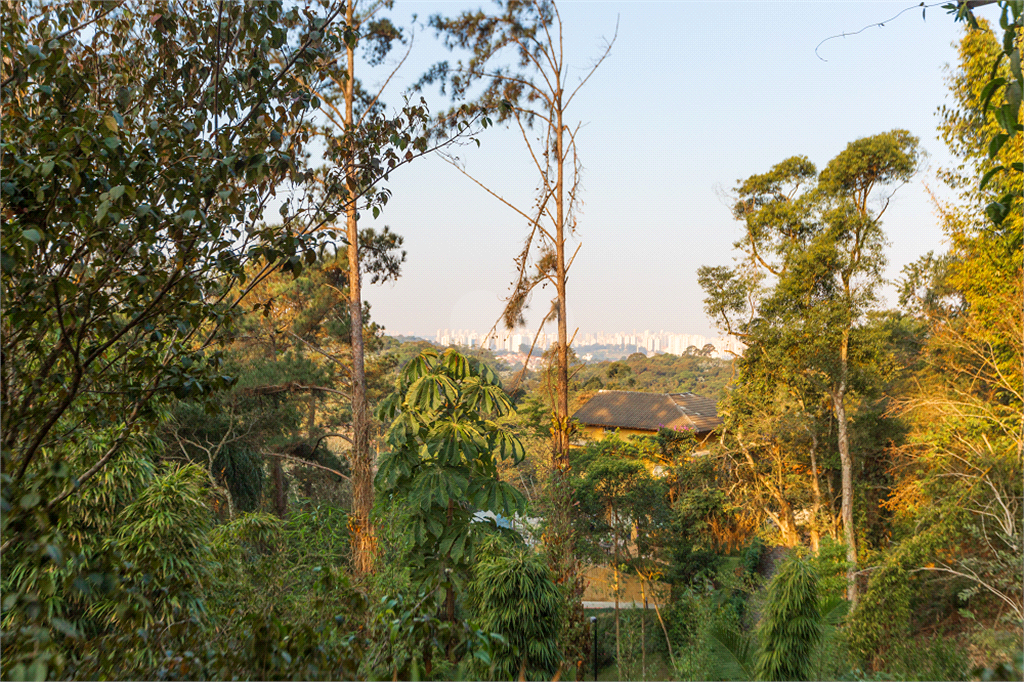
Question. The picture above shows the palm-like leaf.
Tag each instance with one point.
(732, 655)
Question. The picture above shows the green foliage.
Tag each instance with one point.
(617, 495)
(135, 176)
(513, 594)
(713, 639)
(162, 537)
(707, 637)
(883, 613)
(445, 448)
(694, 550)
(1012, 670)
(936, 658)
(224, 443)
(132, 255)
(733, 655)
(663, 373)
(1006, 79)
(803, 300)
(752, 555)
(830, 565)
(791, 625)
(957, 489)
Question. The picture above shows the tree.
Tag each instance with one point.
(1009, 82)
(767, 437)
(621, 507)
(134, 181)
(445, 448)
(536, 90)
(819, 236)
(347, 109)
(136, 173)
(355, 128)
(958, 477)
(117, 254)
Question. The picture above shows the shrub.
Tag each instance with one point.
(791, 625)
(513, 594)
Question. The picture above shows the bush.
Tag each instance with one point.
(791, 626)
(692, 622)
(941, 658)
(513, 594)
(830, 564)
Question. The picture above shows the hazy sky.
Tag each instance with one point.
(694, 96)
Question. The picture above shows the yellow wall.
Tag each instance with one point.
(601, 586)
(597, 433)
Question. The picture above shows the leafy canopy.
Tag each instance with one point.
(446, 443)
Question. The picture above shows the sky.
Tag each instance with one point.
(693, 97)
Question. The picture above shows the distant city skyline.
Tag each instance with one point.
(647, 341)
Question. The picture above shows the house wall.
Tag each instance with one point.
(597, 433)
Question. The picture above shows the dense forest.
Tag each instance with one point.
(664, 373)
(217, 465)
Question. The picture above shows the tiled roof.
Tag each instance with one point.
(649, 411)
(703, 412)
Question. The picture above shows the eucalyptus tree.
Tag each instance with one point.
(811, 261)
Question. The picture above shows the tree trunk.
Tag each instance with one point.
(838, 403)
(364, 541)
(280, 489)
(789, 532)
(561, 437)
(657, 610)
(816, 490)
(615, 558)
(785, 521)
(643, 635)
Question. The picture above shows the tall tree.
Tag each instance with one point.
(355, 128)
(136, 173)
(959, 478)
(999, 97)
(819, 237)
(125, 234)
(383, 33)
(536, 89)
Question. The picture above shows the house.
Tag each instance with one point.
(633, 413)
